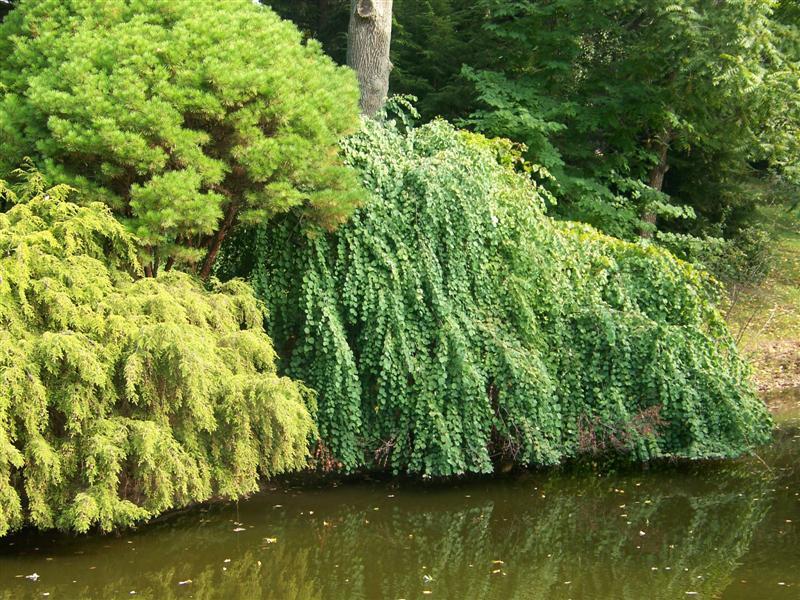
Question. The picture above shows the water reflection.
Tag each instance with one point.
(644, 534)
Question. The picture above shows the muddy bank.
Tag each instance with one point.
(776, 366)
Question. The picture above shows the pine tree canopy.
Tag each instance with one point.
(122, 398)
(185, 117)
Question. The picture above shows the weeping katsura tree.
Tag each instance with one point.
(451, 324)
(122, 397)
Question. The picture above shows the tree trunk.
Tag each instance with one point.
(216, 242)
(368, 43)
(656, 177)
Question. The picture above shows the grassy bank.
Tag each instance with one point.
(766, 318)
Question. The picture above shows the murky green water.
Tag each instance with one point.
(700, 531)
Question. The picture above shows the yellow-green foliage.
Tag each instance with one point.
(185, 117)
(121, 398)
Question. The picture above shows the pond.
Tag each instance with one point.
(711, 530)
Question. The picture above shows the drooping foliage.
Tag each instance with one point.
(121, 398)
(186, 117)
(451, 323)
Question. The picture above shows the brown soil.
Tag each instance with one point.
(776, 365)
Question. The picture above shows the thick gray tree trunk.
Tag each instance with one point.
(368, 43)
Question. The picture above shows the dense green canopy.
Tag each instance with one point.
(451, 323)
(683, 112)
(185, 117)
(122, 398)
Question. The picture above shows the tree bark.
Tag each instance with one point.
(216, 243)
(656, 177)
(368, 43)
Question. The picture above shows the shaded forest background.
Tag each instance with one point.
(673, 120)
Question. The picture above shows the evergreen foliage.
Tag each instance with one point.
(121, 398)
(185, 117)
(451, 323)
(431, 42)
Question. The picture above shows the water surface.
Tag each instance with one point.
(723, 530)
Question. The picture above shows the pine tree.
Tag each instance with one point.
(185, 117)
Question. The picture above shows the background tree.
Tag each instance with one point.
(627, 105)
(431, 41)
(627, 93)
(186, 118)
(369, 39)
(324, 20)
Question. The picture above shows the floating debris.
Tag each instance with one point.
(187, 582)
(32, 576)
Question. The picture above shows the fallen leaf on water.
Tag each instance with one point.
(270, 540)
(187, 582)
(238, 529)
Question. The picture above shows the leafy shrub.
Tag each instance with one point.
(451, 323)
(123, 398)
(743, 259)
(185, 117)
